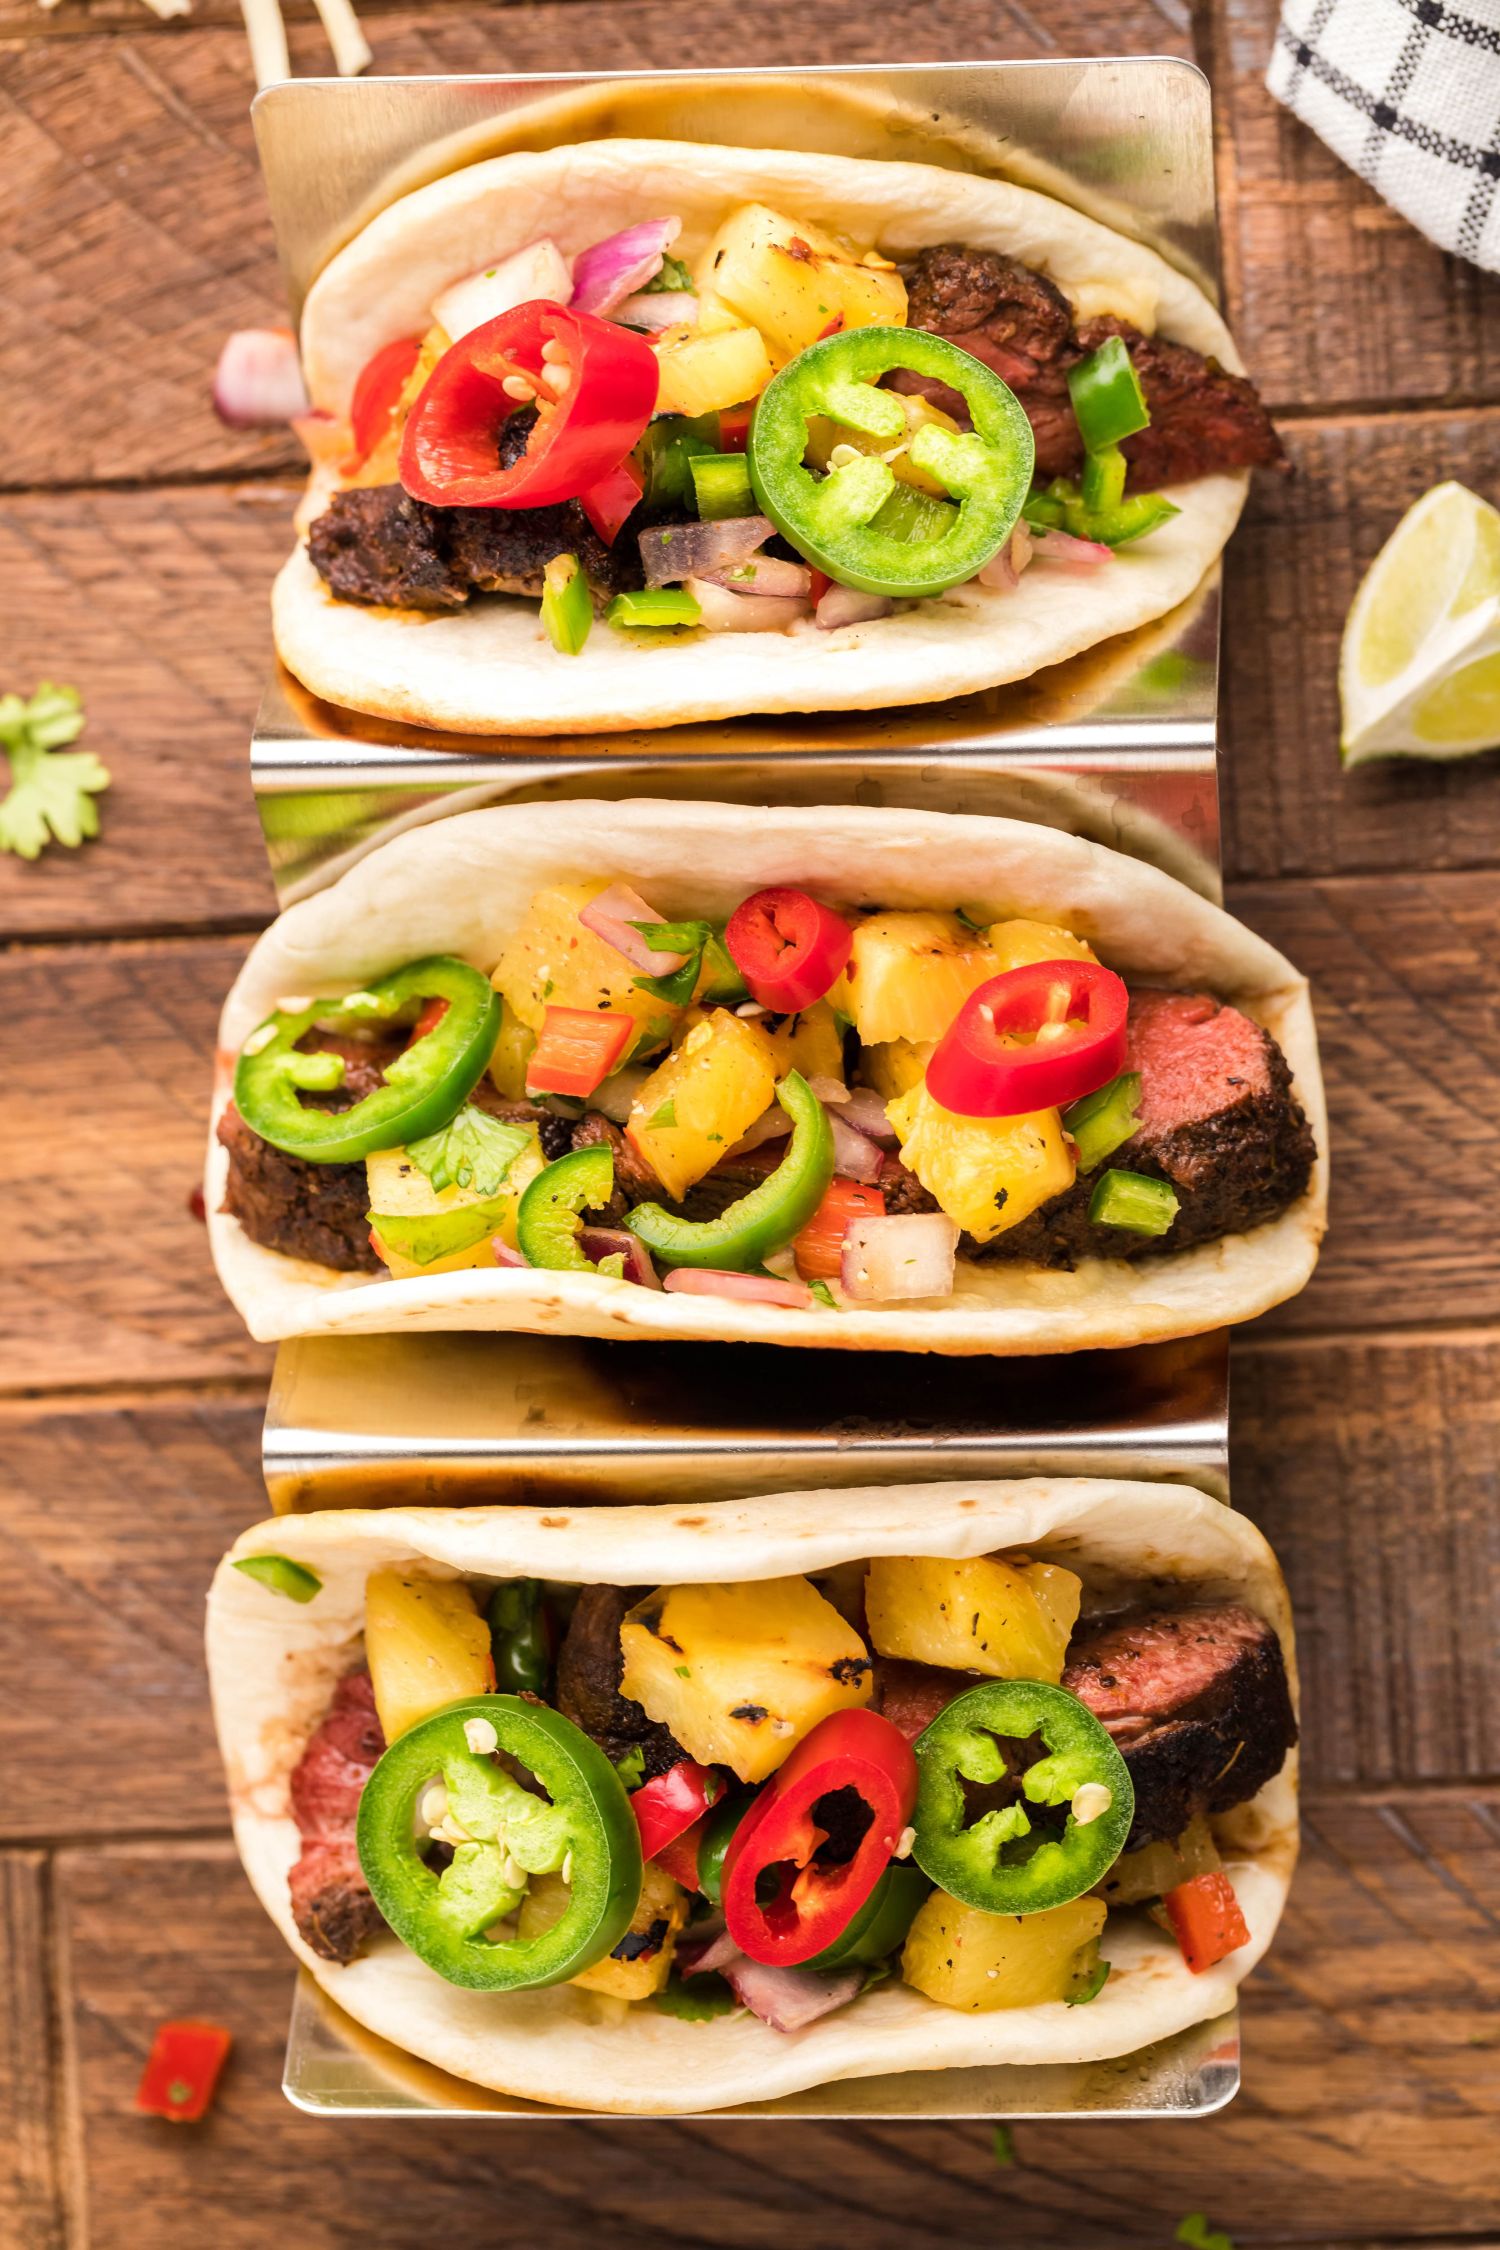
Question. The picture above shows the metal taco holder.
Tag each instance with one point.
(1119, 745)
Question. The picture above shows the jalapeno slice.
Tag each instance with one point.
(1001, 1859)
(768, 1217)
(835, 522)
(424, 1088)
(583, 1826)
(549, 1218)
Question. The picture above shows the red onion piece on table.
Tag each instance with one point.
(904, 1255)
(723, 612)
(659, 308)
(607, 1242)
(786, 1999)
(674, 551)
(539, 271)
(258, 380)
(844, 605)
(610, 916)
(753, 1288)
(855, 1157)
(612, 270)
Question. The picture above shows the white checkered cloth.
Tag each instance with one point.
(1407, 92)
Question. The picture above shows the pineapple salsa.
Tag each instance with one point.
(799, 1107)
(774, 1794)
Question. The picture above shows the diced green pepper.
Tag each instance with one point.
(1103, 479)
(721, 486)
(1134, 1202)
(282, 1576)
(654, 607)
(665, 456)
(766, 1219)
(1107, 396)
(1102, 1122)
(567, 611)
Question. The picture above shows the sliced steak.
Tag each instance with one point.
(331, 1901)
(911, 1695)
(377, 544)
(1197, 1701)
(1203, 418)
(315, 1211)
(555, 1133)
(589, 1665)
(635, 1182)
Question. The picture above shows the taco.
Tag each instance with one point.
(642, 1811)
(849, 1078)
(761, 432)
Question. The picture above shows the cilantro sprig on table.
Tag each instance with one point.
(52, 790)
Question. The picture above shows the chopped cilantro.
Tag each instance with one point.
(688, 938)
(632, 1767)
(475, 1151)
(1196, 2232)
(698, 2001)
(824, 1295)
(968, 920)
(666, 1115)
(674, 275)
(1003, 2147)
(52, 791)
(683, 1671)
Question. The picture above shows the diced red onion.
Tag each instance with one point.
(659, 308)
(675, 551)
(258, 380)
(616, 1097)
(504, 1254)
(829, 1090)
(538, 271)
(723, 612)
(845, 605)
(787, 1999)
(325, 438)
(610, 917)
(908, 1254)
(865, 1111)
(854, 1156)
(607, 1242)
(773, 1124)
(754, 1288)
(1073, 554)
(766, 574)
(612, 270)
(704, 1949)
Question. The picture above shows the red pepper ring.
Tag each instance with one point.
(1072, 1014)
(853, 1766)
(382, 379)
(666, 1807)
(789, 948)
(450, 450)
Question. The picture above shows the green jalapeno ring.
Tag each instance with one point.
(882, 1923)
(766, 1219)
(987, 470)
(587, 1828)
(424, 1088)
(969, 1860)
(549, 1214)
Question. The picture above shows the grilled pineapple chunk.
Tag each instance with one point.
(642, 1961)
(741, 1673)
(515, 1043)
(426, 1645)
(894, 1066)
(988, 1173)
(909, 974)
(704, 1096)
(964, 1958)
(811, 1043)
(552, 961)
(793, 282)
(703, 374)
(1017, 944)
(1007, 1620)
(423, 1229)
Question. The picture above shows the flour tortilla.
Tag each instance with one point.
(464, 884)
(490, 667)
(273, 1665)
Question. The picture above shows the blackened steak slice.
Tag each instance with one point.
(1197, 1701)
(331, 1901)
(376, 544)
(589, 1665)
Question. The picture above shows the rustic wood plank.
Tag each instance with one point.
(1334, 297)
(31, 2192)
(105, 1067)
(133, 231)
(1370, 2030)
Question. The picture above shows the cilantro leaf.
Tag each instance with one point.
(666, 1115)
(689, 938)
(674, 275)
(698, 2001)
(632, 1767)
(824, 1295)
(475, 1151)
(52, 791)
(1003, 2147)
(1196, 2232)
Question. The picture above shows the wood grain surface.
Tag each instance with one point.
(137, 539)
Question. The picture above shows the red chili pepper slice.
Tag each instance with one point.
(433, 1012)
(450, 450)
(1071, 1014)
(853, 1779)
(1206, 1920)
(182, 2071)
(734, 428)
(669, 1805)
(577, 1050)
(789, 948)
(819, 1248)
(608, 503)
(679, 1859)
(381, 382)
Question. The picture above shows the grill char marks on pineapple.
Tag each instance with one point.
(589, 1664)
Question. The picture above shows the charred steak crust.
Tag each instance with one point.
(376, 544)
(589, 1665)
(1198, 1703)
(331, 1902)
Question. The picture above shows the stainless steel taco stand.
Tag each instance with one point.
(1119, 745)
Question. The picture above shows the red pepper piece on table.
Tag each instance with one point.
(854, 1777)
(381, 382)
(1072, 1016)
(789, 948)
(608, 503)
(666, 1807)
(1206, 1920)
(182, 2071)
(450, 450)
(819, 1248)
(577, 1050)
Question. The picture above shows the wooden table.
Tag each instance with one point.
(137, 541)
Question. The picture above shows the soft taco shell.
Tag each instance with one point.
(273, 1665)
(463, 884)
(490, 668)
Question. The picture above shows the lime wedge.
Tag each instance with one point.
(1419, 672)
